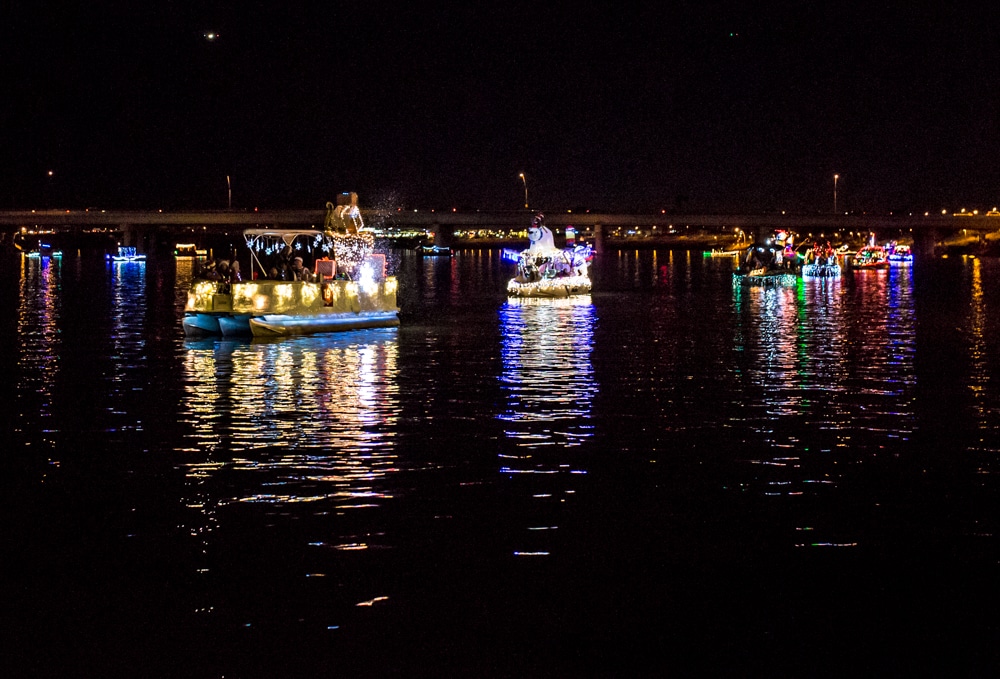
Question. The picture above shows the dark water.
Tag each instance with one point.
(672, 478)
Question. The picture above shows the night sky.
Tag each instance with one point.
(710, 106)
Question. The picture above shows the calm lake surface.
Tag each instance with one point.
(672, 477)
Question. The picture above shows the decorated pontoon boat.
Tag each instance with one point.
(821, 262)
(543, 270)
(765, 277)
(871, 256)
(126, 253)
(772, 262)
(303, 281)
(899, 254)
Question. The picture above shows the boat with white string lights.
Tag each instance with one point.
(302, 281)
(545, 271)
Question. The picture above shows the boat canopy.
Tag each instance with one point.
(285, 235)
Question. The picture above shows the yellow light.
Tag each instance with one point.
(366, 280)
(310, 293)
(284, 294)
(244, 294)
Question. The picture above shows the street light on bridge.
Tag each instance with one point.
(525, 182)
(835, 178)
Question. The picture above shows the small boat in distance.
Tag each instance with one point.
(871, 256)
(126, 254)
(188, 250)
(434, 250)
(44, 251)
(737, 248)
(545, 271)
(769, 263)
(344, 286)
(821, 262)
(898, 254)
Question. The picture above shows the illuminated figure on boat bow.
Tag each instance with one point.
(543, 270)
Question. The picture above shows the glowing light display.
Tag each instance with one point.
(543, 270)
(126, 253)
(352, 249)
(286, 296)
(550, 387)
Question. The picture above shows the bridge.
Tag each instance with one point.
(144, 228)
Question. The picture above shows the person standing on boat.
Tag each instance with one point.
(284, 264)
(208, 272)
(222, 275)
(234, 272)
(789, 256)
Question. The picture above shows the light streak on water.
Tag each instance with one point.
(307, 415)
(550, 387)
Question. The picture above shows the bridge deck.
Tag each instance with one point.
(16, 219)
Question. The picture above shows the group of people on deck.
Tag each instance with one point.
(821, 254)
(284, 267)
(288, 268)
(221, 270)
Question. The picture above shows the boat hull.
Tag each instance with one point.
(196, 325)
(266, 308)
(550, 289)
(237, 325)
(821, 271)
(770, 279)
(277, 325)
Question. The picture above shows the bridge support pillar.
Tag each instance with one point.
(140, 237)
(762, 233)
(924, 242)
(442, 236)
(130, 236)
(599, 243)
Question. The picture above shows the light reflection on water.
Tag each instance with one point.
(977, 340)
(321, 393)
(128, 323)
(648, 421)
(305, 420)
(829, 382)
(550, 387)
(38, 321)
(546, 366)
